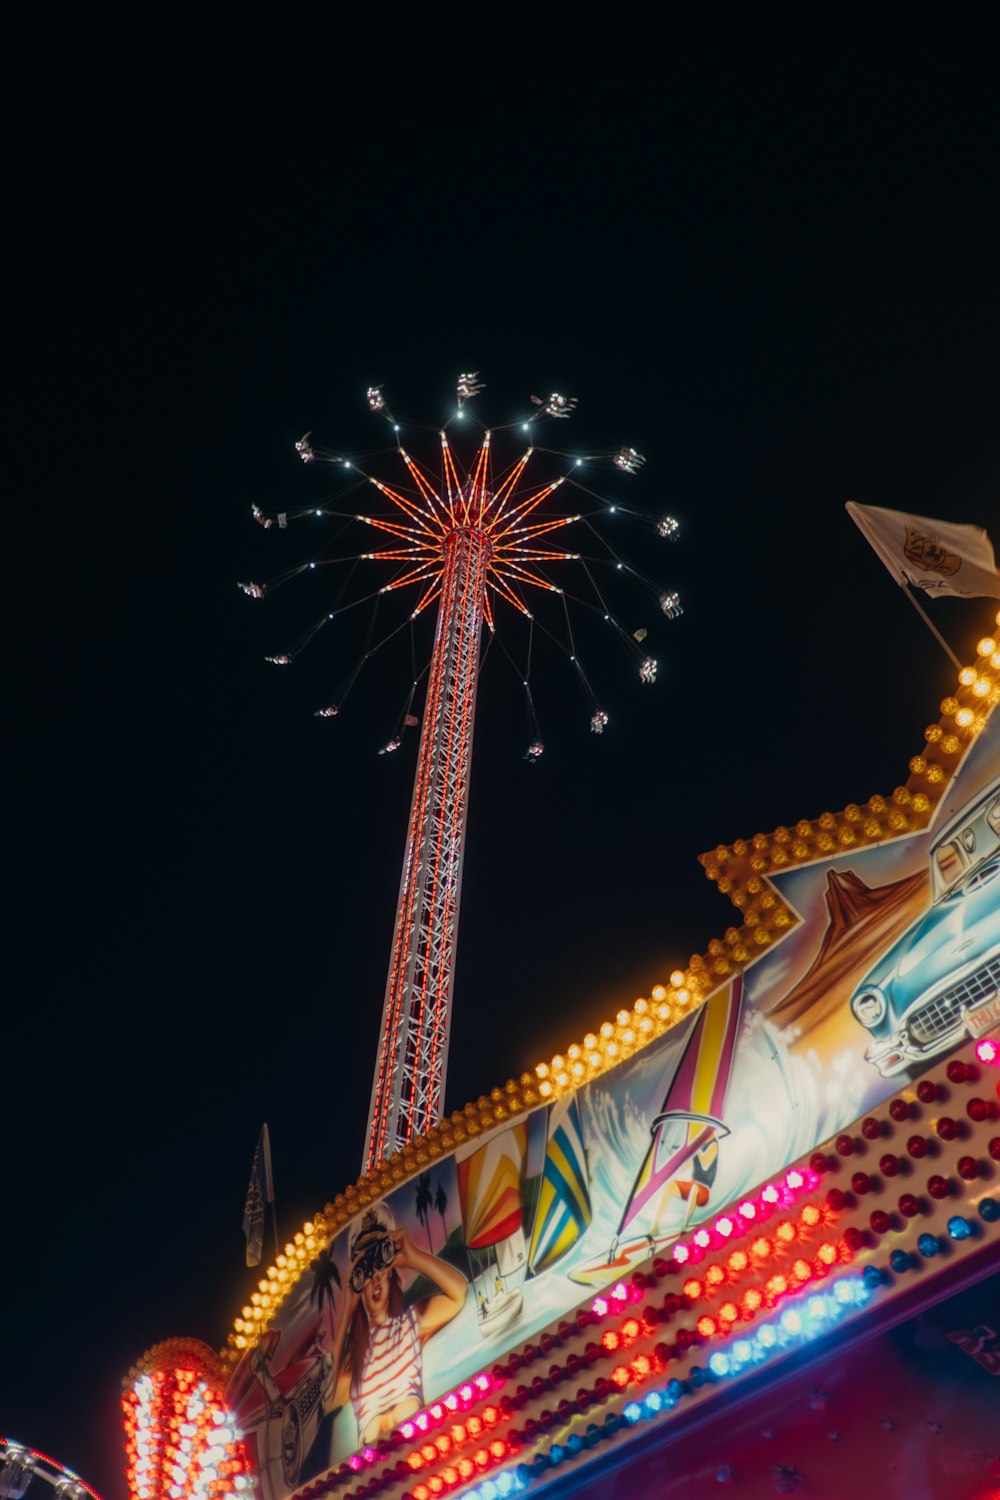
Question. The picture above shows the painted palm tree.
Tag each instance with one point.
(325, 1276)
(424, 1204)
(441, 1204)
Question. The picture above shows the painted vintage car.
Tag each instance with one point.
(278, 1400)
(941, 981)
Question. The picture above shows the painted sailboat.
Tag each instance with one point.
(492, 1199)
(678, 1171)
(563, 1212)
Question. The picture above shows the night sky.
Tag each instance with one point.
(765, 258)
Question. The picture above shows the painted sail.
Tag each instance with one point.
(684, 1146)
(489, 1189)
(563, 1211)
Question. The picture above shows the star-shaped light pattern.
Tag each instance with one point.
(470, 540)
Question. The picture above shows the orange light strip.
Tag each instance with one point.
(497, 584)
(408, 506)
(451, 479)
(507, 487)
(528, 505)
(406, 532)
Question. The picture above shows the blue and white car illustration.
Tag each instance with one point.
(941, 981)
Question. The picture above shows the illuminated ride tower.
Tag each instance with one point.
(477, 541)
(463, 539)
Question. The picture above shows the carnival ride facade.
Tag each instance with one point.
(720, 1239)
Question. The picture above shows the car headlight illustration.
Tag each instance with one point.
(869, 1007)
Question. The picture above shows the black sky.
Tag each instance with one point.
(766, 258)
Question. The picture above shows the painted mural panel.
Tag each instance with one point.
(895, 961)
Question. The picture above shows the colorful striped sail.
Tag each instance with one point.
(563, 1211)
(690, 1125)
(489, 1188)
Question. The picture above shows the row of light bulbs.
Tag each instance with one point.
(765, 916)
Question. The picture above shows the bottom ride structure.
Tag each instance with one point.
(745, 1233)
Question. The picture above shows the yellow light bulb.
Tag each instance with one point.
(986, 646)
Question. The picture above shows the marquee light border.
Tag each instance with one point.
(742, 871)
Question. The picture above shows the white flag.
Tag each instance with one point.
(935, 556)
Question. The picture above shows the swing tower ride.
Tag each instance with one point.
(470, 543)
(464, 539)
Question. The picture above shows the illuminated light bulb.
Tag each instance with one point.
(965, 716)
(737, 1262)
(879, 1221)
(748, 1209)
(703, 1239)
(724, 1226)
(692, 1289)
(715, 1275)
(706, 1327)
(761, 1248)
(681, 1254)
(810, 1215)
(770, 1194)
(987, 1050)
(728, 1312)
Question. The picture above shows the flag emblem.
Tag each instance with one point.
(929, 553)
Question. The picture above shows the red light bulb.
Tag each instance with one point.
(968, 1168)
(889, 1165)
(909, 1206)
(947, 1128)
(927, 1092)
(917, 1146)
(853, 1238)
(818, 1161)
(938, 1187)
(879, 1221)
(979, 1110)
(995, 1148)
(871, 1128)
(900, 1110)
(835, 1198)
(861, 1183)
(845, 1145)
(959, 1072)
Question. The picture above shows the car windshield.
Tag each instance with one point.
(966, 846)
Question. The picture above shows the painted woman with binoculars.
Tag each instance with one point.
(378, 1344)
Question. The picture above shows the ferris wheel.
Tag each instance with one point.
(23, 1469)
(475, 531)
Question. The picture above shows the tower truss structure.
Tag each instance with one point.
(469, 543)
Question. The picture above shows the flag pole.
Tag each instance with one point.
(929, 623)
